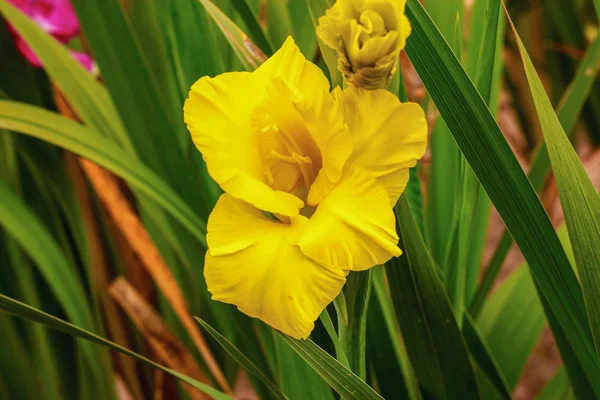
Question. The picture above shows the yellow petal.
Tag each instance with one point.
(316, 119)
(289, 64)
(324, 120)
(353, 228)
(251, 264)
(217, 114)
(389, 136)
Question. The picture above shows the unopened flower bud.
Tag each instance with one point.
(368, 36)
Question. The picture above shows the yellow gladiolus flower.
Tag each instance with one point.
(368, 36)
(310, 178)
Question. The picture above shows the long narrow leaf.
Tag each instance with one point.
(242, 360)
(87, 96)
(496, 167)
(249, 55)
(14, 307)
(28, 231)
(578, 197)
(74, 137)
(341, 379)
(433, 340)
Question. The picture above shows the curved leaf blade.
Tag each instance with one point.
(62, 132)
(242, 360)
(433, 339)
(21, 310)
(578, 197)
(496, 167)
(340, 378)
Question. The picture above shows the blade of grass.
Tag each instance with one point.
(304, 33)
(254, 29)
(247, 52)
(433, 340)
(87, 96)
(485, 64)
(484, 357)
(568, 112)
(384, 302)
(317, 9)
(42, 354)
(279, 21)
(138, 238)
(16, 363)
(337, 344)
(27, 230)
(297, 378)
(145, 20)
(358, 293)
(445, 173)
(162, 341)
(21, 310)
(578, 197)
(558, 388)
(511, 323)
(134, 90)
(242, 360)
(85, 142)
(496, 167)
(341, 379)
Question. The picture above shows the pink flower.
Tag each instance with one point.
(56, 17)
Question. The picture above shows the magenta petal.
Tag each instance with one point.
(27, 52)
(85, 60)
(56, 17)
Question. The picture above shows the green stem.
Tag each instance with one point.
(358, 292)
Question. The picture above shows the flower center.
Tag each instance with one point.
(292, 154)
(290, 158)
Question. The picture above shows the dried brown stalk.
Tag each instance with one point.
(107, 189)
(159, 381)
(100, 276)
(156, 332)
(122, 390)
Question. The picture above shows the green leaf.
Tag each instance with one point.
(340, 352)
(317, 9)
(16, 363)
(153, 123)
(578, 197)
(393, 369)
(87, 96)
(357, 292)
(250, 56)
(38, 243)
(484, 357)
(341, 379)
(242, 360)
(304, 32)
(254, 29)
(558, 388)
(55, 129)
(444, 14)
(512, 322)
(147, 30)
(496, 167)
(445, 173)
(279, 21)
(433, 340)
(568, 112)
(14, 307)
(297, 378)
